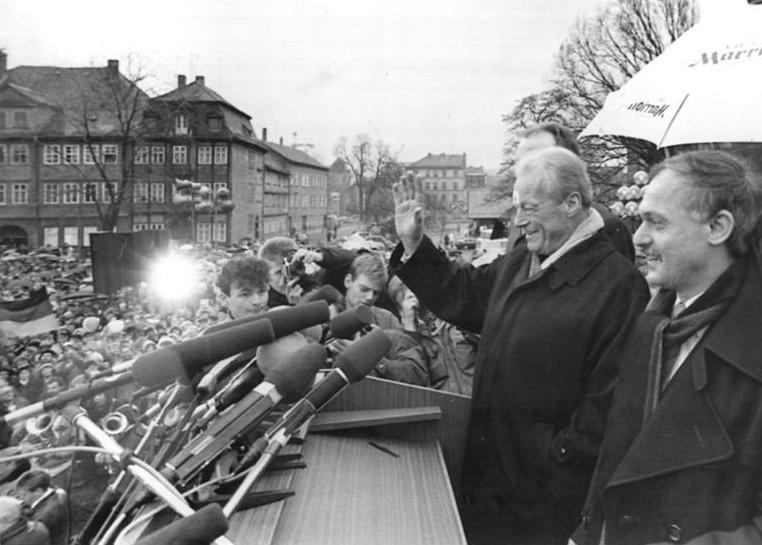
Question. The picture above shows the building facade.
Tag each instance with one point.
(307, 212)
(63, 152)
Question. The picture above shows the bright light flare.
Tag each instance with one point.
(173, 278)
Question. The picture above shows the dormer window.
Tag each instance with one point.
(152, 122)
(215, 123)
(181, 124)
(20, 120)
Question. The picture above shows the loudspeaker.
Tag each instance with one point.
(121, 259)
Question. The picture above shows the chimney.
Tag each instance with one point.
(281, 140)
(3, 62)
(264, 134)
(200, 80)
(113, 68)
(180, 81)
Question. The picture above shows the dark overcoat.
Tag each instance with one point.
(691, 471)
(546, 363)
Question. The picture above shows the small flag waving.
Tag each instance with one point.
(27, 317)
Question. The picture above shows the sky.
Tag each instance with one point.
(423, 76)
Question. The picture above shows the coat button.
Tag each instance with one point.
(674, 533)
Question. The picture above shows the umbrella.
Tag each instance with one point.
(702, 88)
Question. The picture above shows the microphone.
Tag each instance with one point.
(200, 528)
(345, 324)
(326, 293)
(356, 361)
(284, 320)
(232, 393)
(183, 360)
(285, 382)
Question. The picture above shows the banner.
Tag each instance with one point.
(27, 317)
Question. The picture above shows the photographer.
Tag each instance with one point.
(284, 286)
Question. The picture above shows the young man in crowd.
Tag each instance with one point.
(44, 503)
(552, 314)
(680, 460)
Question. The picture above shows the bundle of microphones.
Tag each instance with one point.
(235, 406)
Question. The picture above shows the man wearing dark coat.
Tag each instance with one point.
(552, 315)
(681, 459)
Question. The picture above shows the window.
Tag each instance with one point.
(179, 155)
(203, 232)
(142, 155)
(157, 192)
(157, 155)
(20, 120)
(152, 122)
(205, 155)
(50, 236)
(71, 193)
(110, 154)
(220, 231)
(90, 154)
(51, 154)
(71, 154)
(106, 194)
(159, 226)
(215, 123)
(71, 236)
(86, 232)
(91, 192)
(3, 154)
(221, 154)
(141, 192)
(3, 123)
(50, 193)
(2, 193)
(19, 154)
(20, 194)
(181, 124)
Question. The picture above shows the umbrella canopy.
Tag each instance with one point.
(703, 88)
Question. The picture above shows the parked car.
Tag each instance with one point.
(468, 243)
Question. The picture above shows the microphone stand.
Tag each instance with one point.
(110, 504)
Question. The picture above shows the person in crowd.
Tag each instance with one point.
(409, 359)
(44, 503)
(680, 460)
(366, 279)
(552, 134)
(243, 285)
(16, 529)
(552, 314)
(277, 252)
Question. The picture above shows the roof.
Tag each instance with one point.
(71, 91)
(198, 92)
(481, 207)
(294, 155)
(442, 160)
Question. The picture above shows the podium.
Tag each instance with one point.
(381, 461)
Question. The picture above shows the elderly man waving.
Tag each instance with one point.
(552, 316)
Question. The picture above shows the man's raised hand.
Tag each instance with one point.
(408, 211)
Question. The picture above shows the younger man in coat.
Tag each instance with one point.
(681, 460)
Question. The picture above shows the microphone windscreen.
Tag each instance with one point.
(345, 324)
(326, 293)
(294, 374)
(357, 359)
(183, 360)
(201, 528)
(291, 319)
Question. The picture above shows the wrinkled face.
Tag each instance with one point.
(545, 221)
(245, 300)
(673, 239)
(362, 290)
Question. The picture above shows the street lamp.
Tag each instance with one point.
(628, 199)
(201, 200)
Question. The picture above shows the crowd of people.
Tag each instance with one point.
(614, 377)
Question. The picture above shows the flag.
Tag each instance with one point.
(27, 317)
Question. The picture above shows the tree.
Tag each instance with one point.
(109, 111)
(603, 52)
(371, 165)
